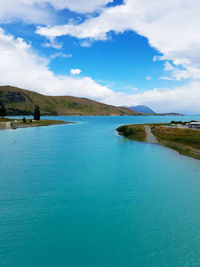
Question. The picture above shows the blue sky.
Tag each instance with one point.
(126, 53)
(122, 62)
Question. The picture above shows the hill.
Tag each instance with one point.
(146, 110)
(21, 102)
(142, 109)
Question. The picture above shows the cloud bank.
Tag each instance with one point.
(171, 27)
(40, 11)
(21, 66)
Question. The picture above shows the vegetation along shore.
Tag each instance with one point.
(6, 123)
(176, 135)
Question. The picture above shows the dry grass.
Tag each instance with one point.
(187, 137)
(185, 141)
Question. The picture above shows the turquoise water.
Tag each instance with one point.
(79, 195)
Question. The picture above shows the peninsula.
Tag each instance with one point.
(6, 123)
(176, 135)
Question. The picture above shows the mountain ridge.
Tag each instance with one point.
(148, 111)
(21, 102)
(142, 109)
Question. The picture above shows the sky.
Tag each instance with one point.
(123, 53)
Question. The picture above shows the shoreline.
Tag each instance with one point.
(185, 141)
(105, 115)
(13, 124)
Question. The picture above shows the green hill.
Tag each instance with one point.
(21, 102)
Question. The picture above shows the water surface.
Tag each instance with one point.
(79, 195)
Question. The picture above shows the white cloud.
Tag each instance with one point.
(75, 71)
(20, 66)
(172, 27)
(26, 11)
(155, 58)
(168, 66)
(53, 44)
(59, 54)
(78, 5)
(180, 71)
(38, 11)
(183, 99)
(85, 44)
(148, 78)
(166, 78)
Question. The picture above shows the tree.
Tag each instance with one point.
(3, 111)
(36, 113)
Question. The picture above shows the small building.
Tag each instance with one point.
(194, 125)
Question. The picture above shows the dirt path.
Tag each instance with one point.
(150, 137)
(8, 125)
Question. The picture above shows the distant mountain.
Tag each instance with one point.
(146, 110)
(142, 109)
(21, 102)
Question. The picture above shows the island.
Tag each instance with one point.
(6, 123)
(183, 137)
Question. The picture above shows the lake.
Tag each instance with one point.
(79, 195)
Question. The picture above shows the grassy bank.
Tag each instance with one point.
(185, 141)
(135, 132)
(19, 123)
